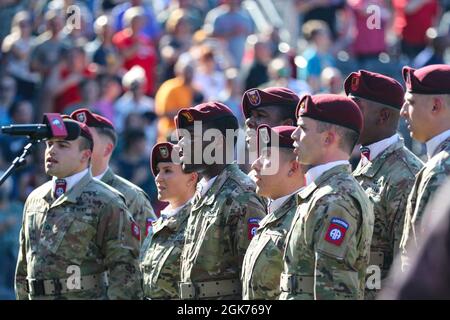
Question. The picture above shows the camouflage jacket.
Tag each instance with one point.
(263, 261)
(88, 232)
(161, 259)
(387, 180)
(136, 199)
(328, 245)
(428, 180)
(219, 230)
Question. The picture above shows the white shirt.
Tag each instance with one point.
(434, 142)
(203, 186)
(278, 203)
(378, 147)
(100, 176)
(314, 173)
(71, 181)
(169, 212)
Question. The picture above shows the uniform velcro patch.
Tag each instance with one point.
(252, 225)
(336, 231)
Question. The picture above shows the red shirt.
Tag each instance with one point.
(145, 57)
(412, 27)
(72, 94)
(367, 41)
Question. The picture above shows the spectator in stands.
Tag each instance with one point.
(208, 79)
(110, 90)
(45, 56)
(317, 54)
(173, 95)
(411, 21)
(134, 99)
(150, 27)
(230, 24)
(256, 73)
(7, 97)
(231, 96)
(17, 48)
(280, 76)
(176, 41)
(331, 81)
(136, 48)
(101, 50)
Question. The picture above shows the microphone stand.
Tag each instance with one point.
(20, 160)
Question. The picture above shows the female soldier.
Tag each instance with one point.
(161, 250)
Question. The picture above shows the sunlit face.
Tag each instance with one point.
(172, 182)
(308, 143)
(266, 178)
(63, 158)
(415, 110)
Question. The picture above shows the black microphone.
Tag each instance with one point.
(34, 131)
(53, 127)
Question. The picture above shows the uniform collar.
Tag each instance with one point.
(322, 179)
(434, 143)
(276, 204)
(71, 181)
(76, 190)
(204, 185)
(371, 168)
(101, 175)
(378, 147)
(169, 212)
(314, 173)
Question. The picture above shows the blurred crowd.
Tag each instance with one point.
(138, 62)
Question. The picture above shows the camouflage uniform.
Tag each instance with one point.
(136, 199)
(429, 178)
(161, 257)
(263, 261)
(89, 229)
(219, 230)
(387, 180)
(328, 245)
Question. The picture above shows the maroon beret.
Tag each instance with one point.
(331, 108)
(75, 129)
(375, 87)
(266, 135)
(273, 96)
(91, 119)
(161, 152)
(205, 112)
(432, 79)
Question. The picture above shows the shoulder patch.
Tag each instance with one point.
(252, 227)
(336, 231)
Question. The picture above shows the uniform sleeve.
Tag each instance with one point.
(143, 213)
(396, 201)
(20, 283)
(245, 214)
(336, 248)
(119, 237)
(428, 189)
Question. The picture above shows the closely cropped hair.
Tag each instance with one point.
(109, 133)
(349, 137)
(86, 144)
